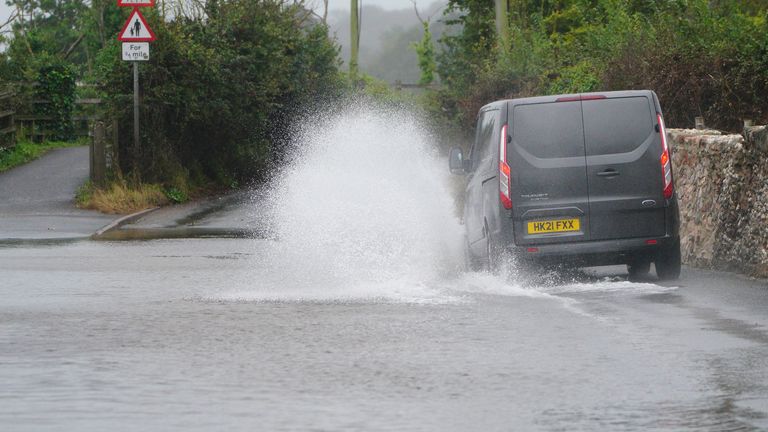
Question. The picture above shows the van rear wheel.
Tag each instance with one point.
(492, 256)
(668, 262)
(490, 265)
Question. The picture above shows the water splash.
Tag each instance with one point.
(363, 210)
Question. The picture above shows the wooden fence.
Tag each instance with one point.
(414, 88)
(7, 119)
(34, 127)
(19, 118)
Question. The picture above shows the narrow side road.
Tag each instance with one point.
(37, 199)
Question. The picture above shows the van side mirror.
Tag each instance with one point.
(456, 161)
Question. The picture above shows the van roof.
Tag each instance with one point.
(553, 98)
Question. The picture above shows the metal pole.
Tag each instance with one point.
(502, 25)
(355, 39)
(136, 141)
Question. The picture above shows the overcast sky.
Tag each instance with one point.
(384, 4)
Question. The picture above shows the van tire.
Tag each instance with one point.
(470, 262)
(491, 258)
(489, 264)
(668, 262)
(640, 268)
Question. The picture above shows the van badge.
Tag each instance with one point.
(649, 203)
(536, 197)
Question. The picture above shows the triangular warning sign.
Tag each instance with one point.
(134, 3)
(136, 29)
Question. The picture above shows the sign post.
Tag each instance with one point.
(136, 136)
(136, 35)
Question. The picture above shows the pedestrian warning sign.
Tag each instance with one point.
(136, 29)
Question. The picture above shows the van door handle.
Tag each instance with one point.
(608, 173)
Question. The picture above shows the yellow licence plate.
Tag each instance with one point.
(553, 226)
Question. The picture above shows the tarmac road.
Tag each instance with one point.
(343, 328)
(37, 199)
(243, 334)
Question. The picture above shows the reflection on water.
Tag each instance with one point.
(96, 336)
(351, 311)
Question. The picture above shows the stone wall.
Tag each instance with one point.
(722, 185)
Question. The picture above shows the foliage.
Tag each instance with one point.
(176, 195)
(218, 95)
(466, 53)
(579, 78)
(120, 196)
(84, 194)
(701, 57)
(382, 92)
(70, 31)
(386, 35)
(425, 50)
(25, 151)
(56, 88)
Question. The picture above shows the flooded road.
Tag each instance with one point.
(198, 335)
(349, 309)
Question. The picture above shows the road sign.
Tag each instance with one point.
(136, 3)
(136, 29)
(135, 51)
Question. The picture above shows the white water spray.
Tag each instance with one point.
(362, 211)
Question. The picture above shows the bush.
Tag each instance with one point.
(702, 58)
(218, 93)
(56, 86)
(120, 197)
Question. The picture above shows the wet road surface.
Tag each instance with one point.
(347, 310)
(213, 334)
(37, 199)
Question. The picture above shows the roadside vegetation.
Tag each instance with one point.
(120, 197)
(703, 57)
(217, 98)
(227, 78)
(220, 92)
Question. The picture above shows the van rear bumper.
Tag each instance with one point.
(604, 252)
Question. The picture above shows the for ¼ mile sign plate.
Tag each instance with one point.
(135, 51)
(136, 3)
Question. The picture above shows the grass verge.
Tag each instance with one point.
(120, 197)
(26, 151)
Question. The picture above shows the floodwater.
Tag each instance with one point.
(353, 312)
(181, 334)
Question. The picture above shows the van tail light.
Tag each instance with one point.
(666, 161)
(505, 184)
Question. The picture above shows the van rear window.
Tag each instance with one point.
(614, 126)
(549, 130)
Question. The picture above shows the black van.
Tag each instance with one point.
(583, 179)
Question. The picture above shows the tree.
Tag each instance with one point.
(425, 50)
(70, 30)
(221, 90)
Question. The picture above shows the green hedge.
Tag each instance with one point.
(56, 88)
(219, 93)
(702, 57)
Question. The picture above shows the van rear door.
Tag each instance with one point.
(548, 171)
(623, 170)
